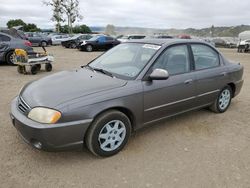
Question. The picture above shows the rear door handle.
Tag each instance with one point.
(188, 81)
(223, 74)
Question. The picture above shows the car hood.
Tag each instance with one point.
(65, 86)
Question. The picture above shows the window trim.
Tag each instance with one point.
(163, 51)
(193, 61)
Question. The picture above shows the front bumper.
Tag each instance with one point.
(49, 137)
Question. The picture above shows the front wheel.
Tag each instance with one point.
(108, 134)
(223, 100)
(89, 48)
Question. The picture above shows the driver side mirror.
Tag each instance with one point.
(159, 74)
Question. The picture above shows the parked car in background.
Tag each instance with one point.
(162, 37)
(231, 42)
(207, 40)
(8, 44)
(58, 39)
(37, 39)
(219, 42)
(74, 41)
(133, 85)
(15, 33)
(244, 46)
(98, 43)
(129, 37)
(184, 36)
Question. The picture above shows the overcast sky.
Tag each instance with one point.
(140, 13)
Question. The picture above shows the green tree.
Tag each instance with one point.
(81, 29)
(64, 29)
(31, 28)
(71, 9)
(16, 22)
(57, 16)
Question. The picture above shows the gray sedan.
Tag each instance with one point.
(8, 44)
(134, 84)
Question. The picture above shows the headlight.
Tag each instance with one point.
(44, 115)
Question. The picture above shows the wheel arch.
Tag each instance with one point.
(233, 87)
(124, 110)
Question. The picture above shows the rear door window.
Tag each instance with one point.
(204, 57)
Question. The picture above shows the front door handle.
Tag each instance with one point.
(188, 81)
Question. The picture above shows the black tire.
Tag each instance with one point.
(38, 67)
(10, 58)
(217, 106)
(89, 48)
(44, 44)
(92, 137)
(33, 69)
(48, 67)
(21, 69)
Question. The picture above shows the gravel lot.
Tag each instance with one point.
(197, 149)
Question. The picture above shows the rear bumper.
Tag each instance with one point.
(238, 86)
(55, 137)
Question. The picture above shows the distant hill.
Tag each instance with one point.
(205, 32)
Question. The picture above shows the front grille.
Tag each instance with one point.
(22, 105)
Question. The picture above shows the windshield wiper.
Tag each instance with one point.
(103, 71)
(100, 70)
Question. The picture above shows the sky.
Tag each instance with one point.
(163, 14)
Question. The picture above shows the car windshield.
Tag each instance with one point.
(126, 60)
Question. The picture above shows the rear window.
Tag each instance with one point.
(4, 38)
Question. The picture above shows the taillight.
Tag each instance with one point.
(27, 43)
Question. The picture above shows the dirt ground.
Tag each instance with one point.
(197, 149)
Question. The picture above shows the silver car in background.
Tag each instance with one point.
(58, 39)
(134, 84)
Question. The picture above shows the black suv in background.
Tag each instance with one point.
(74, 41)
(98, 43)
(8, 44)
(37, 39)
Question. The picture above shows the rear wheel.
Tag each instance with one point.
(10, 58)
(223, 100)
(108, 134)
(44, 43)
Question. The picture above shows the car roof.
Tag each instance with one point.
(163, 42)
